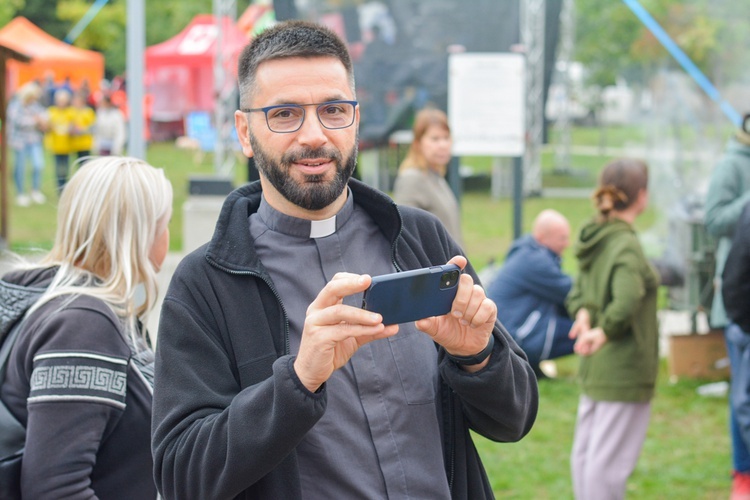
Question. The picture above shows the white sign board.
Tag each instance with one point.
(486, 104)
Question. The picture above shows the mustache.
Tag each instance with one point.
(308, 153)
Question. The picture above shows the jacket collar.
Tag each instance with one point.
(232, 247)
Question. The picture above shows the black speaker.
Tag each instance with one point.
(210, 186)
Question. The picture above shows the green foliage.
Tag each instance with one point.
(43, 13)
(8, 9)
(605, 32)
(688, 24)
(105, 33)
(166, 19)
(612, 42)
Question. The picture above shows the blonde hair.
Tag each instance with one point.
(109, 216)
(425, 118)
(619, 185)
(28, 92)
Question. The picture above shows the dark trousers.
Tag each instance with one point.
(62, 166)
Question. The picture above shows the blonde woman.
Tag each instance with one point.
(616, 332)
(79, 377)
(421, 176)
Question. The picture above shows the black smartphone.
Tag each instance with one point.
(413, 295)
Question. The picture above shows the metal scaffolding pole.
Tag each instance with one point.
(532, 39)
(225, 90)
(135, 49)
(565, 59)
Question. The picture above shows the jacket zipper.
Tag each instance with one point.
(273, 290)
(452, 444)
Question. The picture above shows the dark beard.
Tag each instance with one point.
(314, 193)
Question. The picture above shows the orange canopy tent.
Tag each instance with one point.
(48, 54)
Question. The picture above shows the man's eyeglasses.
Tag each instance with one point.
(287, 118)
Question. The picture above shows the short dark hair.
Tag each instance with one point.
(289, 39)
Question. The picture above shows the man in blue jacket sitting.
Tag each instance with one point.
(530, 290)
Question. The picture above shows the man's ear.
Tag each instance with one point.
(243, 132)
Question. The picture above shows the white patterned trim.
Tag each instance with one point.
(79, 377)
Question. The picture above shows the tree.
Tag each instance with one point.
(105, 33)
(43, 13)
(612, 41)
(8, 9)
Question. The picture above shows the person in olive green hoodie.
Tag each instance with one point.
(614, 304)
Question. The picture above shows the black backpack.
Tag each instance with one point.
(15, 300)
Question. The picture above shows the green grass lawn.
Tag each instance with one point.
(686, 454)
(33, 228)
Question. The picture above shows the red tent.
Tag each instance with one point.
(180, 73)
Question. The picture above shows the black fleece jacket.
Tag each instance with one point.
(736, 276)
(229, 409)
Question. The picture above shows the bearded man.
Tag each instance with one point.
(271, 381)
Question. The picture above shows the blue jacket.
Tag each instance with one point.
(530, 290)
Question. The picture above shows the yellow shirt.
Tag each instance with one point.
(57, 139)
(82, 136)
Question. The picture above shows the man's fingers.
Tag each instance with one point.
(463, 295)
(342, 313)
(342, 285)
(486, 313)
(341, 321)
(459, 260)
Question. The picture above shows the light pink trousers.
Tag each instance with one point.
(608, 439)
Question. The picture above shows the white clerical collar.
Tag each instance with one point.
(322, 228)
(304, 228)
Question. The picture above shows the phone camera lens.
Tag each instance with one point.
(448, 279)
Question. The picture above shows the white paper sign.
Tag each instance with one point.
(486, 104)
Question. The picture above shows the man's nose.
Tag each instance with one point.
(312, 132)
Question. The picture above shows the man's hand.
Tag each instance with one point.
(333, 331)
(466, 330)
(590, 341)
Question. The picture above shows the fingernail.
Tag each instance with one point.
(464, 322)
(457, 314)
(375, 317)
